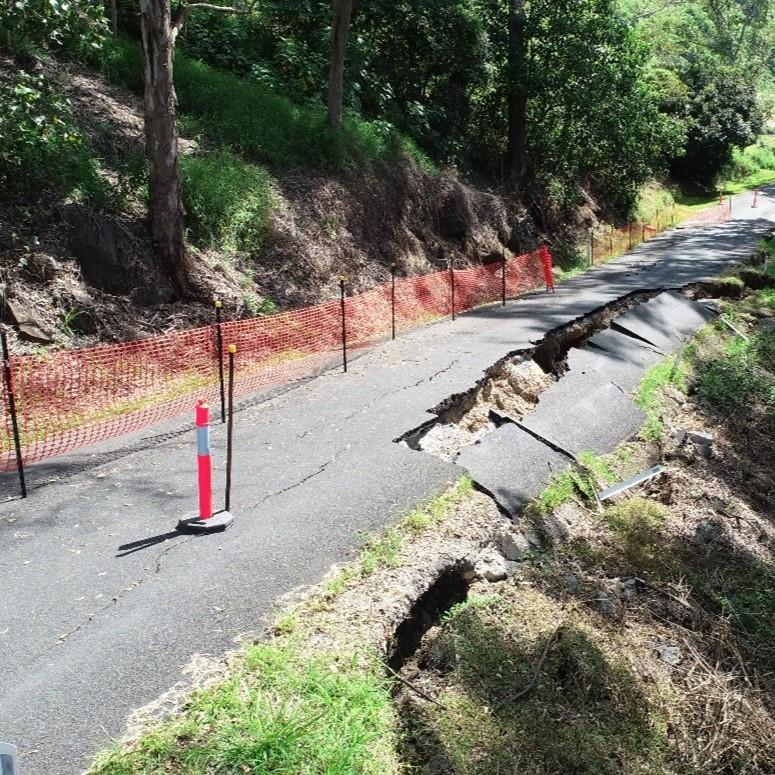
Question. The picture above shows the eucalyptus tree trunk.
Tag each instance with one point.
(161, 141)
(342, 10)
(517, 91)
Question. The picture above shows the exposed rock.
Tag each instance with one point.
(112, 260)
(571, 582)
(491, 566)
(31, 327)
(42, 267)
(607, 607)
(669, 654)
(713, 304)
(699, 438)
(511, 544)
(679, 436)
(532, 537)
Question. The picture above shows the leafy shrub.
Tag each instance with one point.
(40, 146)
(227, 201)
(743, 377)
(121, 61)
(264, 126)
(76, 27)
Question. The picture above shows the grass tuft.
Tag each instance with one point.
(227, 201)
(263, 126)
(650, 391)
(280, 712)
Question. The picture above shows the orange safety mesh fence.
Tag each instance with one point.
(68, 399)
(610, 244)
(717, 214)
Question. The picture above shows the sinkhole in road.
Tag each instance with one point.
(449, 588)
(512, 387)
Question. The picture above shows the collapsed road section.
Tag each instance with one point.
(536, 410)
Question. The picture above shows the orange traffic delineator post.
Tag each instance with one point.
(206, 521)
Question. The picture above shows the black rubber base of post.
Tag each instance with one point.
(216, 524)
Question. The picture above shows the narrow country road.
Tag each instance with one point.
(90, 631)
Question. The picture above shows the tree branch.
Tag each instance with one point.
(181, 14)
(536, 672)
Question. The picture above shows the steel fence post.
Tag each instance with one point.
(452, 286)
(344, 322)
(230, 427)
(219, 348)
(393, 298)
(8, 378)
(503, 280)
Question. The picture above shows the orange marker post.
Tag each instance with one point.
(204, 461)
(206, 521)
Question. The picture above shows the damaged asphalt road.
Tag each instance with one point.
(589, 409)
(104, 603)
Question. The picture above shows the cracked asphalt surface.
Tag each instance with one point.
(104, 604)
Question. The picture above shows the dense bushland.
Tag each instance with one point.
(550, 102)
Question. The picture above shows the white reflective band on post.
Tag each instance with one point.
(203, 440)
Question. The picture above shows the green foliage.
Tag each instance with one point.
(649, 394)
(40, 146)
(746, 163)
(438, 71)
(65, 25)
(585, 69)
(583, 480)
(227, 201)
(743, 377)
(261, 125)
(722, 113)
(279, 713)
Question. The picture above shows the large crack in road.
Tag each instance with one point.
(296, 511)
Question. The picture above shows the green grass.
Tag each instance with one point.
(263, 126)
(655, 198)
(751, 167)
(436, 511)
(580, 481)
(227, 201)
(280, 712)
(382, 550)
(649, 398)
(585, 714)
(744, 374)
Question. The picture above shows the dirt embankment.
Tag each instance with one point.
(83, 276)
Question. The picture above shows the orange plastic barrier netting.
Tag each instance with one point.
(617, 241)
(603, 247)
(717, 214)
(68, 399)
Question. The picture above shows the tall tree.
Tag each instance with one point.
(159, 32)
(340, 31)
(517, 99)
(160, 28)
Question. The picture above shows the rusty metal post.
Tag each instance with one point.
(393, 299)
(219, 348)
(452, 286)
(503, 280)
(344, 323)
(8, 378)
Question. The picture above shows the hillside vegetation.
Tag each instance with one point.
(468, 128)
